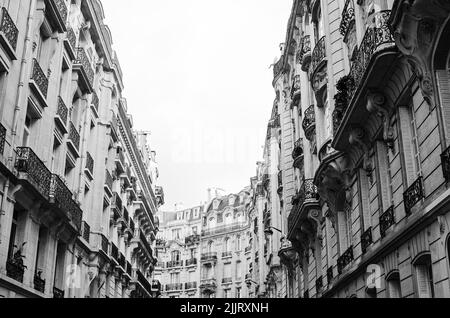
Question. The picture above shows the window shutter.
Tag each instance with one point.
(343, 236)
(423, 281)
(364, 197)
(407, 144)
(443, 80)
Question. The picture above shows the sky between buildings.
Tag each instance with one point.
(196, 74)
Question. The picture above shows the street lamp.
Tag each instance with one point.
(268, 230)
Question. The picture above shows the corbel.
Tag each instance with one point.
(358, 138)
(376, 103)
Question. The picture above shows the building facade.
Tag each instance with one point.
(78, 192)
(362, 98)
(178, 252)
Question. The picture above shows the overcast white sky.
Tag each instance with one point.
(196, 74)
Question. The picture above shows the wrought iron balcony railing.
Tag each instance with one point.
(115, 252)
(278, 67)
(348, 17)
(85, 231)
(74, 138)
(248, 249)
(374, 38)
(62, 112)
(58, 293)
(227, 254)
(8, 29)
(192, 239)
(329, 275)
(387, 219)
(227, 280)
(39, 78)
(297, 154)
(58, 11)
(83, 65)
(318, 54)
(120, 161)
(173, 287)
(366, 240)
(89, 164)
(413, 195)
(304, 55)
(14, 269)
(172, 264)
(191, 262)
(33, 170)
(104, 244)
(309, 123)
(212, 256)
(39, 283)
(95, 102)
(191, 285)
(61, 196)
(108, 181)
(2, 139)
(345, 259)
(70, 43)
(445, 162)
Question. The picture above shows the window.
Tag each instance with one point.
(41, 251)
(345, 228)
(176, 256)
(227, 271)
(193, 251)
(13, 235)
(393, 285)
(226, 293)
(176, 234)
(60, 266)
(210, 247)
(238, 292)
(194, 230)
(363, 185)
(174, 278)
(238, 243)
(424, 277)
(228, 218)
(212, 222)
(227, 245)
(238, 270)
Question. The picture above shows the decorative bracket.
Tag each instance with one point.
(376, 103)
(358, 138)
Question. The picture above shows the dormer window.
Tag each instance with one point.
(231, 200)
(216, 204)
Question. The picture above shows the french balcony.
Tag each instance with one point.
(89, 169)
(33, 171)
(248, 249)
(366, 240)
(116, 207)
(318, 57)
(58, 293)
(120, 162)
(61, 115)
(174, 264)
(39, 83)
(74, 140)
(57, 13)
(115, 253)
(348, 18)
(227, 254)
(9, 34)
(15, 269)
(280, 183)
(413, 195)
(2, 139)
(304, 55)
(108, 183)
(113, 124)
(191, 262)
(39, 283)
(85, 231)
(192, 239)
(309, 124)
(95, 103)
(83, 67)
(159, 192)
(61, 198)
(191, 285)
(296, 90)
(371, 63)
(297, 154)
(227, 280)
(345, 259)
(208, 284)
(104, 244)
(70, 43)
(209, 257)
(174, 287)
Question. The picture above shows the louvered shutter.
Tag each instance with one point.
(423, 281)
(443, 82)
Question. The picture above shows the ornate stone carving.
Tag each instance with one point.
(358, 138)
(376, 103)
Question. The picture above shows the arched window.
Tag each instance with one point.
(393, 285)
(424, 277)
(209, 247)
(227, 245)
(228, 218)
(176, 256)
(211, 222)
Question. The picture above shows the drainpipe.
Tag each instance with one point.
(82, 149)
(22, 79)
(3, 204)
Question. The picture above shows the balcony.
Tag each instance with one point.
(39, 283)
(74, 140)
(309, 124)
(33, 171)
(15, 268)
(61, 198)
(114, 127)
(413, 195)
(174, 264)
(104, 244)
(83, 67)
(192, 239)
(116, 206)
(208, 285)
(85, 231)
(348, 18)
(345, 259)
(248, 277)
(227, 254)
(445, 162)
(57, 13)
(174, 287)
(115, 253)
(225, 228)
(61, 115)
(191, 262)
(306, 198)
(366, 240)
(387, 219)
(278, 67)
(318, 57)
(58, 293)
(248, 249)
(371, 62)
(287, 253)
(89, 169)
(95, 103)
(120, 161)
(39, 83)
(296, 90)
(159, 193)
(227, 280)
(108, 183)
(156, 286)
(209, 257)
(191, 285)
(70, 43)
(9, 34)
(280, 183)
(304, 55)
(2, 139)
(297, 154)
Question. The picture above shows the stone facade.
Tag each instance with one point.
(78, 190)
(361, 108)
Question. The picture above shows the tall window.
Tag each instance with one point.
(238, 243)
(227, 270)
(227, 245)
(364, 197)
(238, 292)
(209, 247)
(60, 266)
(176, 256)
(238, 270)
(424, 277)
(345, 227)
(393, 285)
